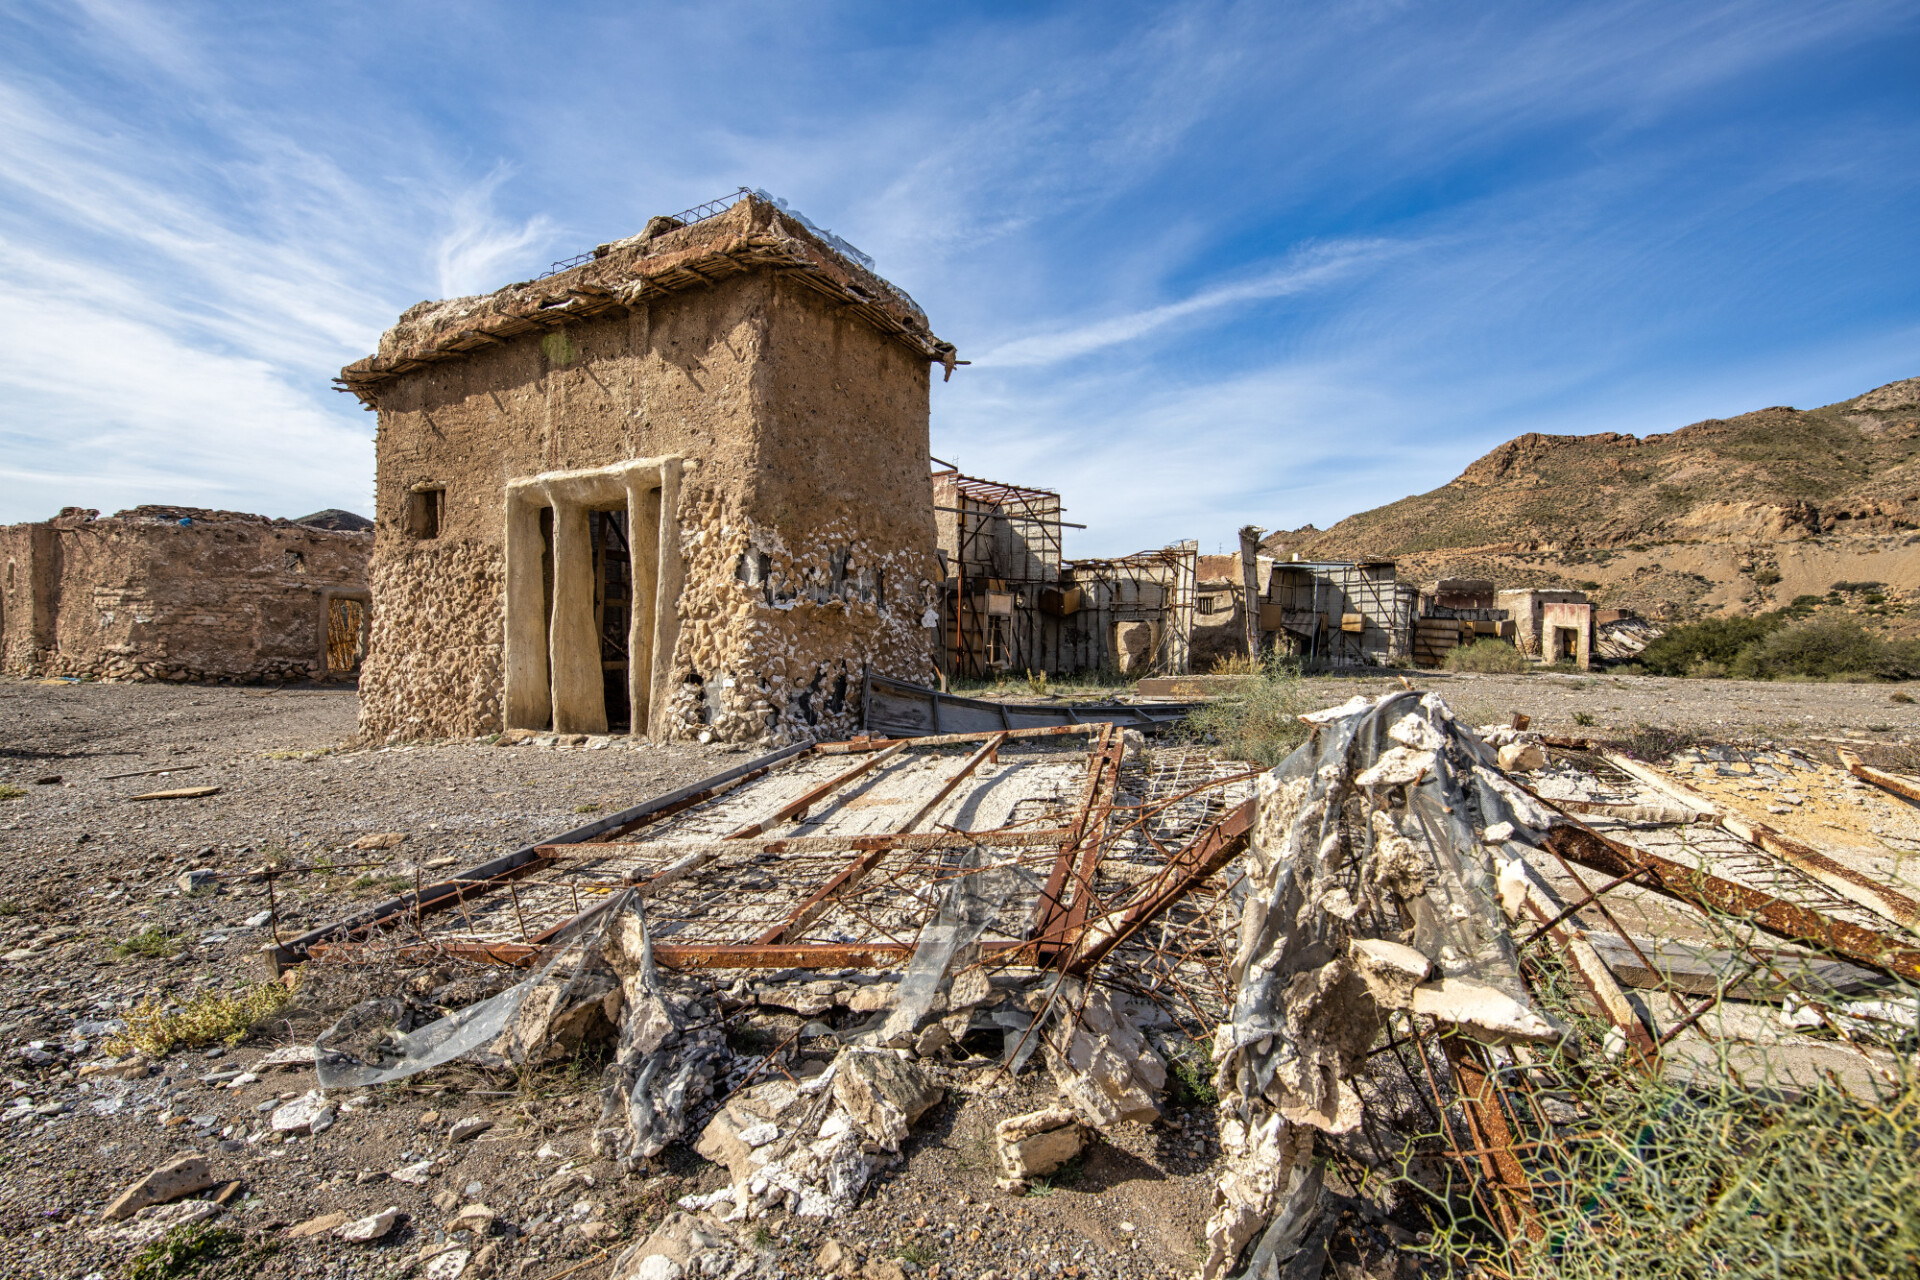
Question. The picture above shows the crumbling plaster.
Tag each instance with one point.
(805, 524)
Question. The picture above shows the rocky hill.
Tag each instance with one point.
(1728, 515)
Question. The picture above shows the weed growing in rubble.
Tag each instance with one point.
(11, 907)
(1192, 1076)
(188, 1251)
(153, 943)
(155, 1028)
(10, 792)
(1260, 721)
(1584, 719)
(919, 1253)
(389, 883)
(1489, 657)
(586, 808)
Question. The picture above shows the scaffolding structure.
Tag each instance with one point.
(1012, 601)
(1336, 614)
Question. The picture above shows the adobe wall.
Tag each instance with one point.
(805, 517)
(140, 596)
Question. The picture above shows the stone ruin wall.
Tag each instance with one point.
(806, 542)
(228, 597)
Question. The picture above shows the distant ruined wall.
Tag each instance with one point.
(136, 596)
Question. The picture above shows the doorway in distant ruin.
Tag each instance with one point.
(1566, 644)
(346, 634)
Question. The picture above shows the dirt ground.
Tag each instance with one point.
(84, 869)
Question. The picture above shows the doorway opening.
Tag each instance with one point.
(613, 610)
(1566, 644)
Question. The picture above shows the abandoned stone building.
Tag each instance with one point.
(181, 593)
(677, 487)
(1011, 602)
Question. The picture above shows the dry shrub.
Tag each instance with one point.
(1259, 721)
(156, 1027)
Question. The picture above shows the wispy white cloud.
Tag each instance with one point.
(1309, 268)
(477, 247)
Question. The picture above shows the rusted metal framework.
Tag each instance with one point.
(848, 853)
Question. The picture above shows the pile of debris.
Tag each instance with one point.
(1401, 946)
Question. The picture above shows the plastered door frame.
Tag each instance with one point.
(553, 664)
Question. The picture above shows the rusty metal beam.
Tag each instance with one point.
(1493, 1138)
(1051, 907)
(1202, 857)
(1577, 842)
(951, 739)
(1905, 788)
(919, 842)
(1850, 884)
(851, 955)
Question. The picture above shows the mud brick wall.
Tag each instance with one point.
(805, 522)
(142, 596)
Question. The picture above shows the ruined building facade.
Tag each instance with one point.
(678, 488)
(181, 593)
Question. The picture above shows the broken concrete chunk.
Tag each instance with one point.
(1101, 1061)
(1391, 970)
(669, 1252)
(873, 998)
(1523, 757)
(198, 881)
(369, 1228)
(1486, 1013)
(169, 1182)
(293, 1055)
(1036, 1144)
(968, 988)
(884, 1093)
(450, 1264)
(156, 1220)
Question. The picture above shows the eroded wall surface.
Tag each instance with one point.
(224, 597)
(806, 529)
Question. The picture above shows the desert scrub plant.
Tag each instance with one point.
(151, 943)
(1259, 721)
(10, 792)
(1192, 1082)
(1727, 1173)
(1584, 719)
(155, 1027)
(1489, 657)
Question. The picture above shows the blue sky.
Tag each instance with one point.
(1214, 263)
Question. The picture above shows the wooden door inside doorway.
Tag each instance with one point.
(613, 611)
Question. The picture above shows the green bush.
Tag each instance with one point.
(1488, 656)
(1715, 640)
(1814, 647)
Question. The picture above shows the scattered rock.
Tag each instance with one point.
(445, 1201)
(470, 1127)
(371, 1227)
(309, 1113)
(169, 1182)
(293, 1055)
(381, 840)
(198, 881)
(317, 1226)
(477, 1218)
(414, 1174)
(834, 1259)
(154, 1221)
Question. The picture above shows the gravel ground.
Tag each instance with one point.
(84, 868)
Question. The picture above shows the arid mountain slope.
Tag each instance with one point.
(1724, 515)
